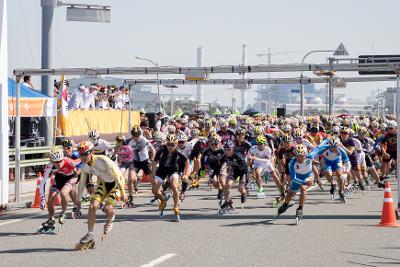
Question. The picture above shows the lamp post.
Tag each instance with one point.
(171, 87)
(340, 51)
(158, 84)
(75, 12)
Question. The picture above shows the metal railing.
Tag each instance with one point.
(30, 151)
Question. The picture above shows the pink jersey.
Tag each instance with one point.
(124, 153)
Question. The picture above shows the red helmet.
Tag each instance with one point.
(85, 147)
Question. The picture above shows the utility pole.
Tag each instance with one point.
(46, 129)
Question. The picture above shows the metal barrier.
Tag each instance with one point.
(30, 151)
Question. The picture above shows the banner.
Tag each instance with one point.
(79, 122)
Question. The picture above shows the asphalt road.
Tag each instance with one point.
(332, 234)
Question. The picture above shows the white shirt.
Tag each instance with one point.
(76, 100)
(260, 154)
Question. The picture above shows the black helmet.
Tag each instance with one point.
(67, 143)
(136, 131)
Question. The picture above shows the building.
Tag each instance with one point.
(389, 100)
(270, 97)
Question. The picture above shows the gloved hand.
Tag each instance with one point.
(42, 203)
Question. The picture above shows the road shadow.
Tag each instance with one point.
(257, 223)
(361, 264)
(396, 261)
(35, 250)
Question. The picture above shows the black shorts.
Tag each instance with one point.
(242, 177)
(60, 180)
(145, 166)
(163, 172)
(354, 163)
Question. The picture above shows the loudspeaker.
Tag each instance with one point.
(151, 116)
(281, 112)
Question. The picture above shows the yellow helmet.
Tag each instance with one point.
(261, 139)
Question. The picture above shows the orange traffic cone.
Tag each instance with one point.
(57, 198)
(388, 214)
(36, 202)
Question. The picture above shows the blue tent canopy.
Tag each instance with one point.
(25, 91)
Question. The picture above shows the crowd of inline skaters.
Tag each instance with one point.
(339, 154)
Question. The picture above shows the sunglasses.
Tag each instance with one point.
(67, 147)
(228, 149)
(215, 144)
(171, 144)
(390, 128)
(57, 162)
(181, 142)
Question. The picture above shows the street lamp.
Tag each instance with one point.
(172, 87)
(340, 51)
(158, 84)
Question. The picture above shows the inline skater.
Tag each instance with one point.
(232, 166)
(111, 186)
(186, 149)
(67, 145)
(260, 159)
(302, 176)
(101, 146)
(170, 163)
(212, 156)
(65, 178)
(334, 157)
(142, 153)
(388, 145)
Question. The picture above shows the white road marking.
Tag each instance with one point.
(20, 219)
(159, 260)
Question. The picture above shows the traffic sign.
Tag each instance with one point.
(392, 59)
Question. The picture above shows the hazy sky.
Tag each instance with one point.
(170, 32)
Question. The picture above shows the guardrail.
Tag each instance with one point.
(32, 151)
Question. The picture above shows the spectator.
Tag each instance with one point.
(103, 101)
(76, 98)
(28, 81)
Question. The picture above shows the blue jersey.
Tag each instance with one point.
(339, 156)
(299, 172)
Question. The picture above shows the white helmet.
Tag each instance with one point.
(93, 134)
(286, 128)
(392, 124)
(184, 120)
(181, 136)
(56, 154)
(158, 136)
